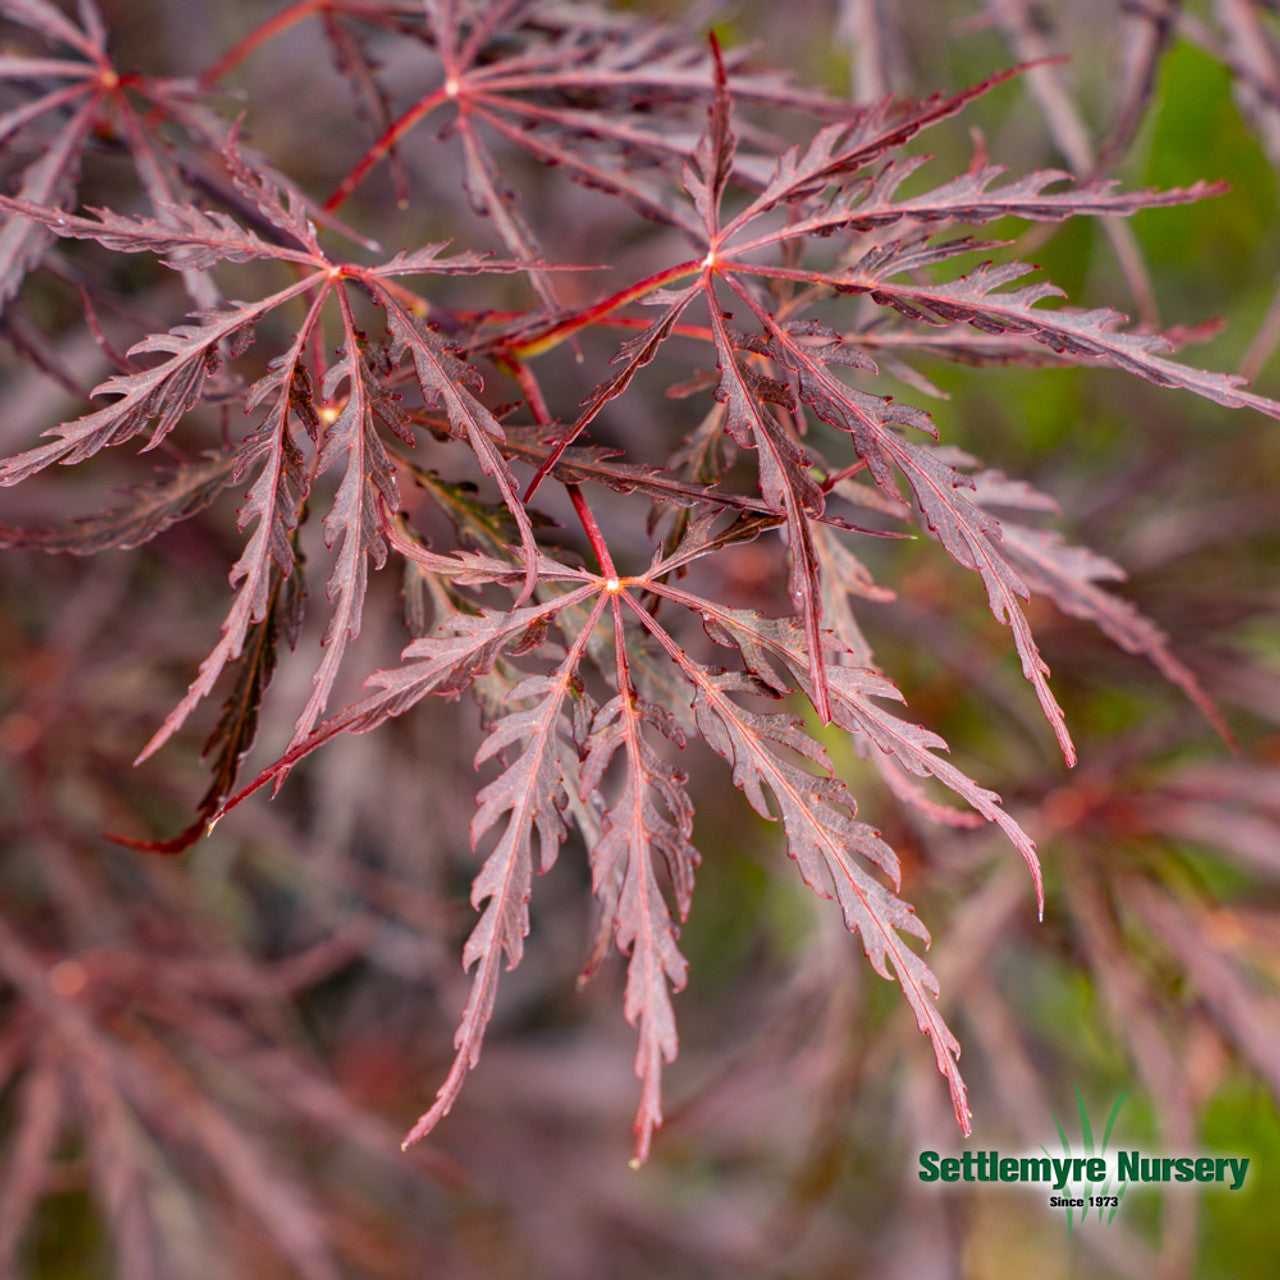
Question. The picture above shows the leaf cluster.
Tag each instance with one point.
(347, 387)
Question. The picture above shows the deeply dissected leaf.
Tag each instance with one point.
(147, 511)
(237, 727)
(445, 380)
(1069, 576)
(841, 150)
(355, 522)
(162, 394)
(272, 504)
(534, 97)
(530, 791)
(823, 837)
(48, 182)
(650, 818)
(968, 533)
(870, 203)
(785, 483)
(188, 239)
(982, 300)
(449, 660)
(773, 651)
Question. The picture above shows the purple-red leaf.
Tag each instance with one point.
(162, 393)
(187, 239)
(530, 793)
(272, 504)
(1069, 576)
(651, 817)
(148, 511)
(355, 523)
(446, 380)
(774, 652)
(827, 841)
(981, 299)
(785, 484)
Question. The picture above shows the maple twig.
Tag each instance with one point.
(386, 143)
(596, 538)
(264, 32)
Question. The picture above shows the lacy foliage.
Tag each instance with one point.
(788, 269)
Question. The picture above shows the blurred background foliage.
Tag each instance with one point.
(249, 1031)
